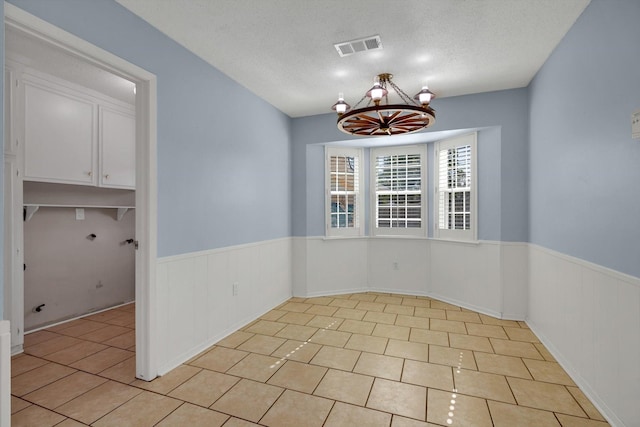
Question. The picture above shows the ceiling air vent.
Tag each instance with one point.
(358, 45)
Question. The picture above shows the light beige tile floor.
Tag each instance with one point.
(366, 359)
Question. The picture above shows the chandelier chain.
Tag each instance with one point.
(362, 99)
(406, 98)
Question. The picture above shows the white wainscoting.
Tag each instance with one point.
(333, 266)
(399, 266)
(514, 260)
(489, 277)
(468, 275)
(589, 318)
(196, 305)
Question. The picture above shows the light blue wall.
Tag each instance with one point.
(222, 180)
(502, 162)
(585, 167)
(581, 201)
(2, 170)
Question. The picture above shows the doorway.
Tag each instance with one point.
(145, 184)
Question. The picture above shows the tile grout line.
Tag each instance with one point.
(360, 354)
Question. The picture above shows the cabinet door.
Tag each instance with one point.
(59, 136)
(117, 149)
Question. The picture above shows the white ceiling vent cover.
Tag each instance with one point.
(358, 45)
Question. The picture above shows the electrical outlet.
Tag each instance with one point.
(79, 214)
(235, 289)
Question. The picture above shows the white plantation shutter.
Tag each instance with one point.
(455, 193)
(344, 206)
(398, 190)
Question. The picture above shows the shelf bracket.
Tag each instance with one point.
(31, 210)
(121, 212)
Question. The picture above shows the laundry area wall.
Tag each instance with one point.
(67, 269)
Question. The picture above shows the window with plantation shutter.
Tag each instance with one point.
(344, 208)
(398, 197)
(455, 188)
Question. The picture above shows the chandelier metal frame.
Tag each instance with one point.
(382, 119)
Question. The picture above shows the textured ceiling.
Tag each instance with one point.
(282, 50)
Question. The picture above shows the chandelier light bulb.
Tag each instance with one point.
(340, 107)
(424, 96)
(376, 92)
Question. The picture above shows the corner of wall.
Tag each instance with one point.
(514, 278)
(299, 266)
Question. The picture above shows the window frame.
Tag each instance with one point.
(457, 234)
(359, 216)
(375, 152)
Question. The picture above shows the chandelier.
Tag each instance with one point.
(383, 118)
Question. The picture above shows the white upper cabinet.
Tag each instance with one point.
(117, 149)
(74, 136)
(59, 136)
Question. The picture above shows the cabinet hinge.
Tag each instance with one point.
(136, 244)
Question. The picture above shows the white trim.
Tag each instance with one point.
(470, 139)
(632, 280)
(472, 307)
(584, 386)
(461, 242)
(189, 255)
(51, 325)
(5, 374)
(50, 82)
(146, 170)
(357, 153)
(421, 231)
(341, 237)
(340, 292)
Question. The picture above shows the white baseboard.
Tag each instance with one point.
(333, 293)
(584, 386)
(468, 306)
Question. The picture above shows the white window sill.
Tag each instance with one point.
(401, 237)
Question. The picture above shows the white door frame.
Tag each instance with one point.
(146, 176)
